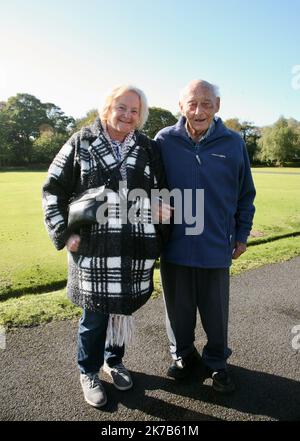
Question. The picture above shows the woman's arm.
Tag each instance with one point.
(57, 191)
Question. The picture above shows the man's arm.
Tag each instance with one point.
(163, 212)
(245, 207)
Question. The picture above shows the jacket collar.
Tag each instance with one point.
(219, 131)
(99, 147)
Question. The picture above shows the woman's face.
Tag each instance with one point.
(124, 114)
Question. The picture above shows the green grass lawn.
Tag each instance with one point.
(34, 309)
(27, 258)
(277, 204)
(276, 169)
(29, 262)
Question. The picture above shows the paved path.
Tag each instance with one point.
(39, 378)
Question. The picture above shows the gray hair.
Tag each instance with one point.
(205, 84)
(119, 91)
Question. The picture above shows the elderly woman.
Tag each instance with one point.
(110, 264)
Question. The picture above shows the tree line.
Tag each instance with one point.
(32, 132)
(275, 145)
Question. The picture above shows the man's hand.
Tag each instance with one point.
(239, 249)
(162, 212)
(73, 243)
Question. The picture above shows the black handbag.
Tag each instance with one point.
(82, 209)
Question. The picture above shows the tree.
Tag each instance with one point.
(87, 120)
(233, 124)
(294, 124)
(60, 122)
(248, 131)
(46, 146)
(24, 118)
(279, 143)
(251, 134)
(24, 114)
(157, 120)
(5, 153)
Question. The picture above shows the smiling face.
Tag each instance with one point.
(124, 115)
(199, 105)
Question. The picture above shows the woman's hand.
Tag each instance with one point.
(73, 243)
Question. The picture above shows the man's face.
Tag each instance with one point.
(199, 106)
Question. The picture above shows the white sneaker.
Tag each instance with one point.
(120, 376)
(93, 390)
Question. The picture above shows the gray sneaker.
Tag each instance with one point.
(93, 390)
(119, 375)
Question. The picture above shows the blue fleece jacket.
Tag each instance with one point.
(220, 166)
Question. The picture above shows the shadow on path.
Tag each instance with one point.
(257, 393)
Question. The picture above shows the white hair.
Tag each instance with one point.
(205, 84)
(119, 91)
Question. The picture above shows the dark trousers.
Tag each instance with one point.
(91, 343)
(187, 289)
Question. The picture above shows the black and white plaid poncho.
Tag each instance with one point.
(112, 271)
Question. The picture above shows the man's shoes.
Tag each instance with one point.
(183, 367)
(221, 381)
(120, 376)
(93, 390)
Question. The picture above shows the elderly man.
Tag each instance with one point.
(199, 152)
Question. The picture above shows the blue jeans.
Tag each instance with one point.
(91, 343)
